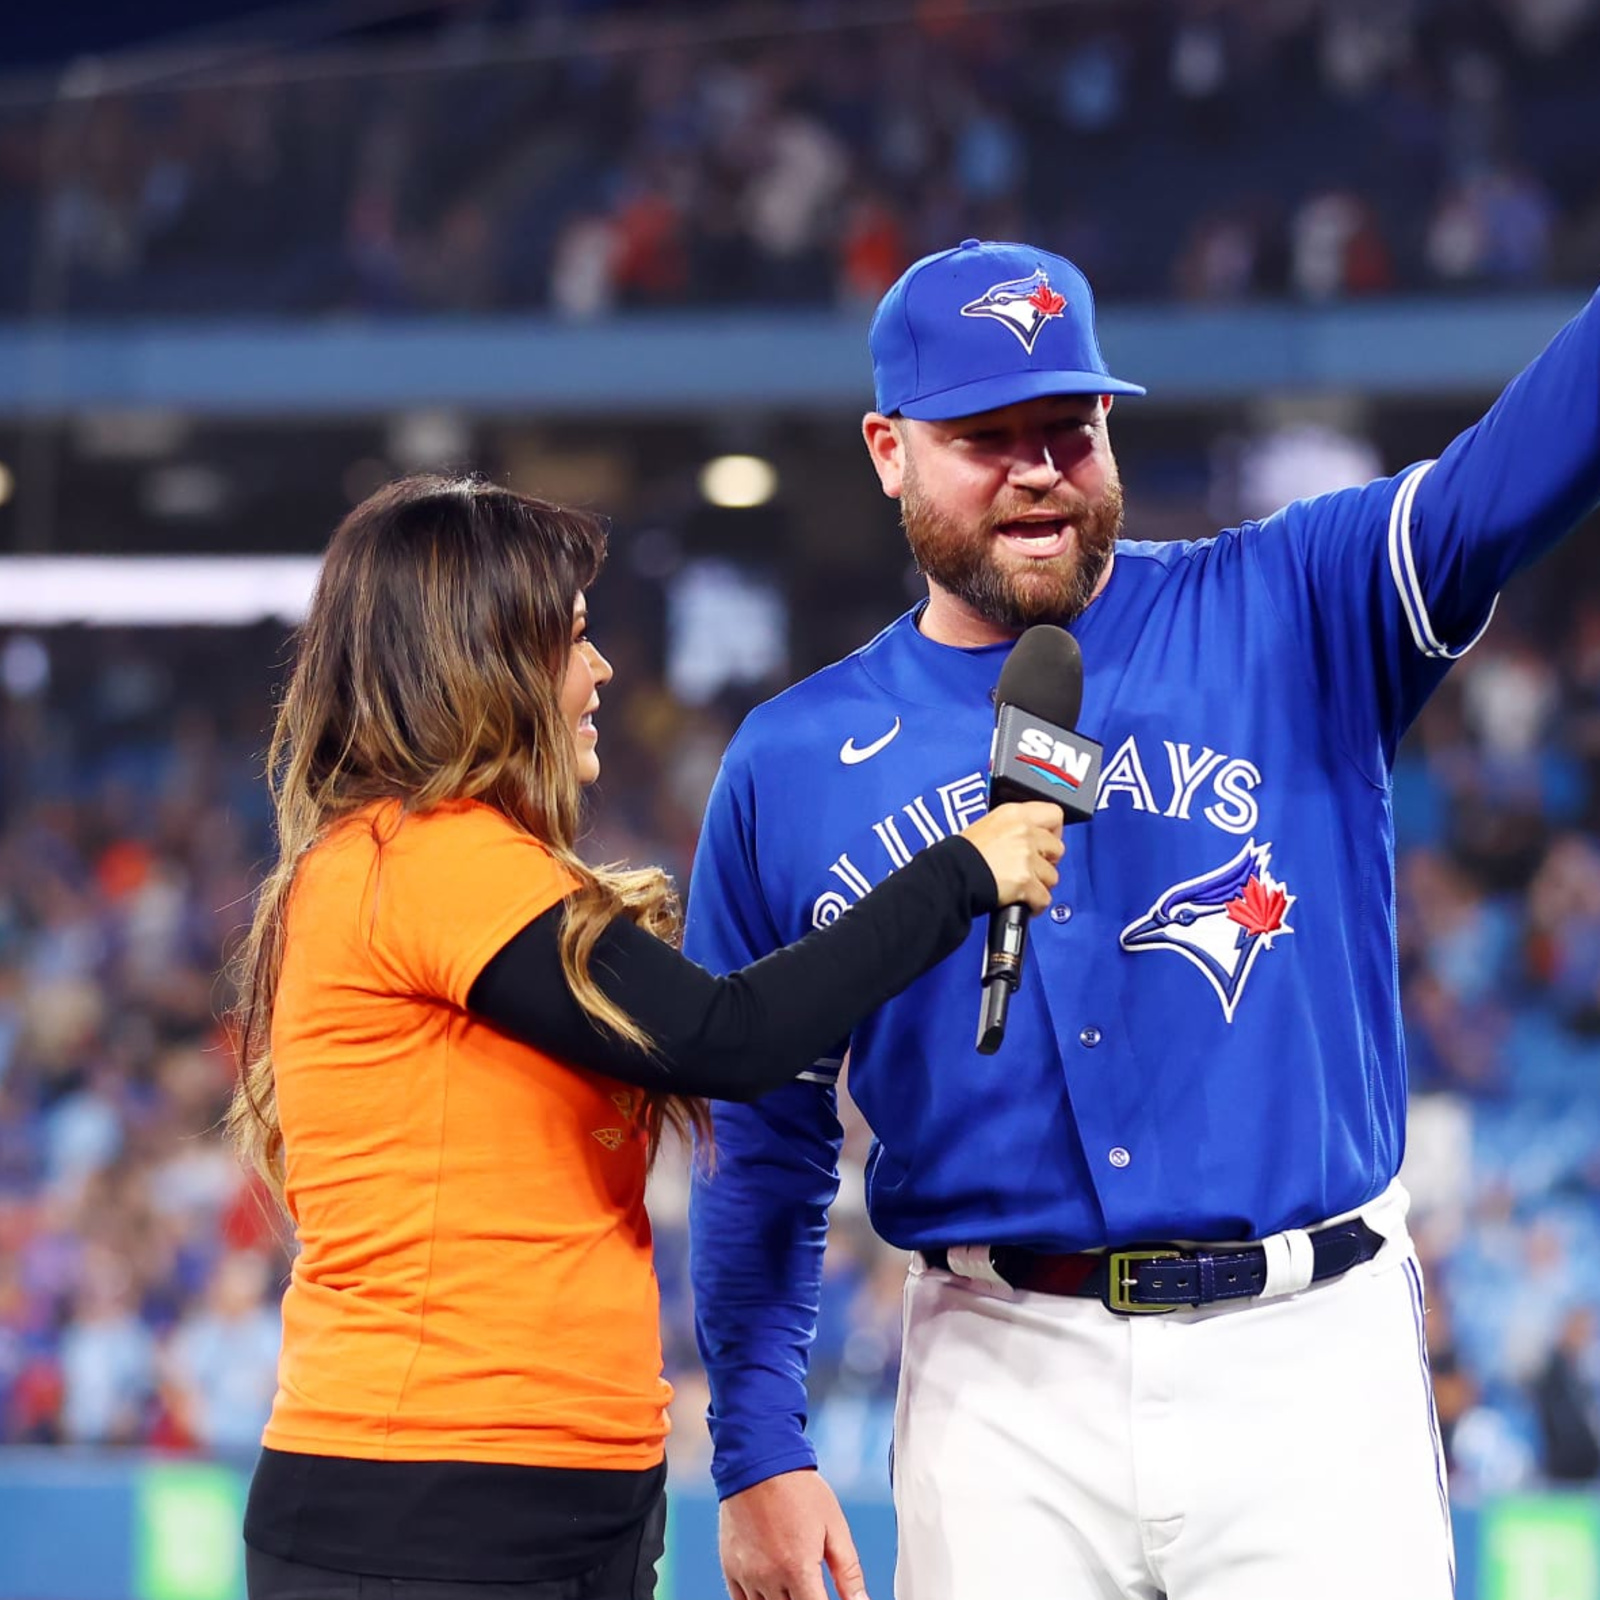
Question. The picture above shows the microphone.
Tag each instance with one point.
(1036, 755)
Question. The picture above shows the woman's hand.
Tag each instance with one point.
(1021, 843)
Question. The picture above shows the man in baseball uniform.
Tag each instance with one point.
(1163, 1329)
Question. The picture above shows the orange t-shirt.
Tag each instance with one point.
(475, 1278)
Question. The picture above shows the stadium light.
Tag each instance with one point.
(155, 591)
(738, 482)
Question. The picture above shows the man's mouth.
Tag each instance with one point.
(1038, 538)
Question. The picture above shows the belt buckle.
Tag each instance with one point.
(1118, 1283)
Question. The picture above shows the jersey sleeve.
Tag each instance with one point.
(758, 1213)
(449, 889)
(1381, 588)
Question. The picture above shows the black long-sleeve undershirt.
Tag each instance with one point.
(740, 1036)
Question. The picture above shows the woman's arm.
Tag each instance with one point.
(737, 1037)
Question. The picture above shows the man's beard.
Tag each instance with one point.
(1011, 595)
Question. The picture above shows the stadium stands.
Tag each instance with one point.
(615, 158)
(606, 161)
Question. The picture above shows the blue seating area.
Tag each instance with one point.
(590, 159)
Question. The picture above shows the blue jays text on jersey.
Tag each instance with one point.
(1207, 1044)
(1183, 774)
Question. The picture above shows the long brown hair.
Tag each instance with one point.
(429, 669)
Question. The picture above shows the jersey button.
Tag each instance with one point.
(1061, 913)
(1089, 1038)
(1119, 1157)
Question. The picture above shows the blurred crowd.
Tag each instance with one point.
(586, 157)
(139, 1269)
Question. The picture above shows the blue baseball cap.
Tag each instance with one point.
(983, 326)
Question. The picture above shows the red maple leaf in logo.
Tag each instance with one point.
(1047, 300)
(1258, 909)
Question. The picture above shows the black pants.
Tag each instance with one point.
(628, 1573)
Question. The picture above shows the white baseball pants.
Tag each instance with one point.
(1046, 1449)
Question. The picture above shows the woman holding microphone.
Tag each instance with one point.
(460, 1047)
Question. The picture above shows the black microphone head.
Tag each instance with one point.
(1044, 675)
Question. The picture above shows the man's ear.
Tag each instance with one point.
(886, 446)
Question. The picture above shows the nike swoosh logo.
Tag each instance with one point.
(851, 756)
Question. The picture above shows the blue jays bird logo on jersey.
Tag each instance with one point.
(1221, 921)
(1023, 305)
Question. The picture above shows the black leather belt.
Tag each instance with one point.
(1167, 1277)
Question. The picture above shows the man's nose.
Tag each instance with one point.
(1034, 467)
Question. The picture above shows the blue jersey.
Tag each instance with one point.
(1206, 1043)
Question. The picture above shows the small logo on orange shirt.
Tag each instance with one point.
(611, 1138)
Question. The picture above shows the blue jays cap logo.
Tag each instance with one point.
(1023, 305)
(1221, 921)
